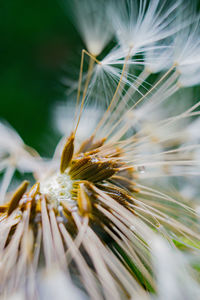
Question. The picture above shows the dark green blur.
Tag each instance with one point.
(37, 40)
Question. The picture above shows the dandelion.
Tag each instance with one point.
(93, 217)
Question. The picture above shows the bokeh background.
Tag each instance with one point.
(38, 46)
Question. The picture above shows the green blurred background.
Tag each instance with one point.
(37, 42)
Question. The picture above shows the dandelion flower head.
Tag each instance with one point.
(108, 201)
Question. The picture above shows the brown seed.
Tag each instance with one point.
(89, 168)
(83, 200)
(78, 164)
(3, 208)
(104, 171)
(85, 146)
(116, 193)
(90, 145)
(17, 196)
(67, 153)
(34, 190)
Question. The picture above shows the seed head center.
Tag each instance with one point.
(57, 188)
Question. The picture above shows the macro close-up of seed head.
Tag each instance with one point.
(114, 213)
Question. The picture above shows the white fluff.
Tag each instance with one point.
(93, 24)
(173, 273)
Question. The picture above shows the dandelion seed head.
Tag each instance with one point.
(137, 24)
(97, 211)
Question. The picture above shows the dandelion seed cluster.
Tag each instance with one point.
(102, 220)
